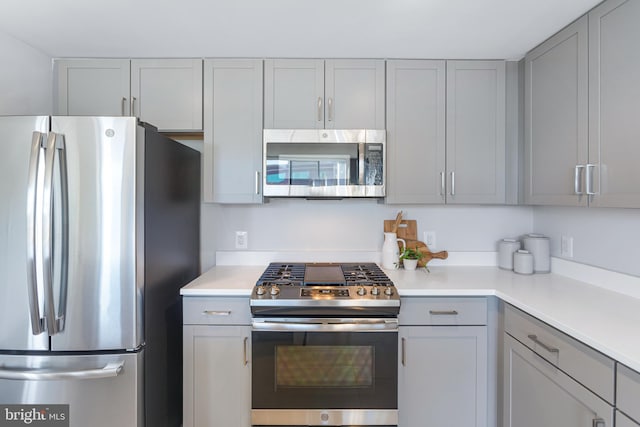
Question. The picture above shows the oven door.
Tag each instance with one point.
(324, 371)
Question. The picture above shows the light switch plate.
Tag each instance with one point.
(242, 238)
(566, 249)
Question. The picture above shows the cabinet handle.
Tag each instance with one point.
(124, 100)
(443, 312)
(257, 182)
(330, 106)
(590, 168)
(598, 422)
(442, 184)
(547, 347)
(577, 180)
(453, 183)
(319, 108)
(133, 104)
(244, 350)
(216, 313)
(403, 359)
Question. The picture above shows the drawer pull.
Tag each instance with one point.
(403, 358)
(216, 313)
(244, 351)
(547, 347)
(598, 422)
(443, 312)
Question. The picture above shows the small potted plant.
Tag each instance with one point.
(410, 258)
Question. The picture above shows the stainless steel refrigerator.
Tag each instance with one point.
(99, 228)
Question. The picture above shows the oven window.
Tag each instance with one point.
(324, 366)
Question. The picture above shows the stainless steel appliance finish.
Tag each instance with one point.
(324, 163)
(89, 269)
(347, 289)
(324, 346)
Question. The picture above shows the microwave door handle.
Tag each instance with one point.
(361, 152)
(33, 235)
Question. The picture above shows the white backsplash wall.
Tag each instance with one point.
(606, 238)
(354, 225)
(25, 79)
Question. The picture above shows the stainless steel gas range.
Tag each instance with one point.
(324, 346)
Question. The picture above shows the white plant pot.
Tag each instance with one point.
(410, 264)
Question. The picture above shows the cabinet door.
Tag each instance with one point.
(539, 394)
(443, 376)
(294, 94)
(415, 131)
(168, 93)
(354, 94)
(96, 87)
(556, 117)
(624, 421)
(614, 103)
(233, 131)
(476, 131)
(217, 376)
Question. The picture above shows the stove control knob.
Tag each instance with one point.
(361, 291)
(274, 290)
(260, 290)
(375, 291)
(388, 291)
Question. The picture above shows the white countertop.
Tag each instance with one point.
(605, 320)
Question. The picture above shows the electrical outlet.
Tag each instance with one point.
(242, 238)
(566, 246)
(430, 239)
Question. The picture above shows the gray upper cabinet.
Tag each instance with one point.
(166, 93)
(446, 131)
(416, 91)
(556, 116)
(476, 132)
(614, 103)
(232, 131)
(319, 94)
(92, 87)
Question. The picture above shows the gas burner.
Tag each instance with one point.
(323, 289)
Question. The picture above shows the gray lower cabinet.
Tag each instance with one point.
(556, 114)
(623, 421)
(627, 393)
(614, 103)
(552, 380)
(232, 131)
(442, 379)
(216, 365)
(446, 131)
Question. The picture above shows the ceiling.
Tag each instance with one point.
(496, 29)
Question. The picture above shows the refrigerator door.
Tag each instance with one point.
(101, 391)
(99, 304)
(21, 298)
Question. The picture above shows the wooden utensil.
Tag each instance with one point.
(396, 223)
(406, 229)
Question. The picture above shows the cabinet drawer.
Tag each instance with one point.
(586, 365)
(443, 311)
(628, 392)
(216, 311)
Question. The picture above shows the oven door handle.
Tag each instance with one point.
(326, 325)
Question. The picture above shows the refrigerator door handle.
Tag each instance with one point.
(108, 371)
(47, 235)
(64, 244)
(37, 322)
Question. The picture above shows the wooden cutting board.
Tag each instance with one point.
(407, 229)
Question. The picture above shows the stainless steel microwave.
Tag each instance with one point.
(324, 163)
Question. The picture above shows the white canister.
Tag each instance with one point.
(538, 245)
(523, 262)
(506, 248)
